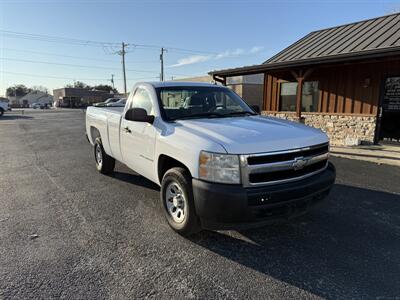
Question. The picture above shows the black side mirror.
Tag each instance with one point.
(256, 108)
(138, 115)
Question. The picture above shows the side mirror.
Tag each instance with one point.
(138, 115)
(256, 108)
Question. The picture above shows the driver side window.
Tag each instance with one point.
(142, 99)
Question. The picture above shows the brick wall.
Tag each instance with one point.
(343, 130)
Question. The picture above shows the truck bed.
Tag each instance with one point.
(108, 109)
(107, 121)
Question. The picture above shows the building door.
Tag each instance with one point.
(390, 110)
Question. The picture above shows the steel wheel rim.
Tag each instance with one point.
(175, 202)
(99, 155)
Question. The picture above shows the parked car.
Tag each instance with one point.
(109, 100)
(120, 103)
(36, 105)
(219, 164)
(3, 108)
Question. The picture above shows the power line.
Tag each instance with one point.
(72, 56)
(101, 44)
(54, 77)
(182, 50)
(74, 65)
(54, 39)
(71, 78)
(56, 54)
(87, 66)
(106, 46)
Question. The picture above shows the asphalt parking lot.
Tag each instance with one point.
(67, 231)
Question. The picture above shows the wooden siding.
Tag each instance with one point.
(347, 89)
(272, 90)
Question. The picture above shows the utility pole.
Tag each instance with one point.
(122, 53)
(162, 63)
(112, 80)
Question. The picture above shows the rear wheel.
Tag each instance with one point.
(104, 163)
(1, 111)
(177, 201)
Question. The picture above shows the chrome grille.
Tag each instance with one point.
(283, 166)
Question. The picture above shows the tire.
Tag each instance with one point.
(104, 163)
(177, 201)
(1, 112)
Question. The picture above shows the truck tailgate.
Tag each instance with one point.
(107, 121)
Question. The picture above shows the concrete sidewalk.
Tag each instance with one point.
(380, 154)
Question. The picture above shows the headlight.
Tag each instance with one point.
(218, 167)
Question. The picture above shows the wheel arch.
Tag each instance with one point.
(94, 134)
(166, 162)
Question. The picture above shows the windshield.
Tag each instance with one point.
(191, 102)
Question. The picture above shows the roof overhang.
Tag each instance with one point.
(333, 59)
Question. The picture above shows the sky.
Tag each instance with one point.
(54, 43)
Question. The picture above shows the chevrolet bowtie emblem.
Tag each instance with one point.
(299, 163)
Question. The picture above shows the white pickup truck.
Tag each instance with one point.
(219, 164)
(3, 108)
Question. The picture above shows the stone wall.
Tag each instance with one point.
(343, 130)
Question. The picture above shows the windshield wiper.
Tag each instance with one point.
(240, 113)
(207, 115)
(215, 115)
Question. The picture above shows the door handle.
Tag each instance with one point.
(127, 129)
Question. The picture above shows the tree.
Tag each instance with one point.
(18, 90)
(106, 87)
(40, 88)
(78, 84)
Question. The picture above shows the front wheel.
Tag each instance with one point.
(1, 112)
(104, 163)
(177, 201)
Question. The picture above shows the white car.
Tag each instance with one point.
(108, 101)
(3, 108)
(219, 163)
(120, 103)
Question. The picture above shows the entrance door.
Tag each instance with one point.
(390, 113)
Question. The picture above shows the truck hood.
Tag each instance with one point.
(254, 134)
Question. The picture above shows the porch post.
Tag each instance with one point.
(221, 79)
(300, 77)
(299, 94)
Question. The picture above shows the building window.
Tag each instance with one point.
(288, 96)
(309, 99)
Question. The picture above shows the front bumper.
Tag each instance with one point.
(223, 206)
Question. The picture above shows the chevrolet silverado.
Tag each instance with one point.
(219, 164)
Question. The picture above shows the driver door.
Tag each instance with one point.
(138, 138)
